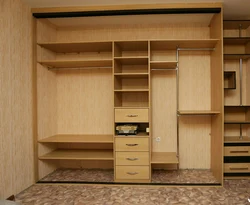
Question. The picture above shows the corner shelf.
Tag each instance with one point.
(66, 154)
(164, 158)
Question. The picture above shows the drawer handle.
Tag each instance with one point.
(131, 145)
(240, 168)
(132, 115)
(132, 159)
(132, 173)
(239, 151)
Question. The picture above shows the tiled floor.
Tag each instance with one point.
(234, 192)
(158, 176)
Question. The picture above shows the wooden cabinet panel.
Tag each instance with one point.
(131, 115)
(132, 158)
(132, 172)
(132, 144)
(236, 167)
(237, 151)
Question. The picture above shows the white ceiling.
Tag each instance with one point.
(233, 9)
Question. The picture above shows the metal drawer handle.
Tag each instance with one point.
(239, 151)
(132, 173)
(132, 115)
(132, 159)
(131, 145)
(243, 168)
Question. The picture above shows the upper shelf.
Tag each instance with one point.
(236, 122)
(234, 24)
(138, 60)
(163, 65)
(78, 47)
(77, 63)
(236, 56)
(236, 139)
(73, 138)
(189, 43)
(236, 40)
(198, 112)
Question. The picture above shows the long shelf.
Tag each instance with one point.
(236, 56)
(188, 43)
(236, 139)
(236, 122)
(236, 40)
(79, 155)
(70, 47)
(198, 112)
(164, 65)
(72, 138)
(164, 158)
(77, 64)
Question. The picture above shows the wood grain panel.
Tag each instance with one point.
(16, 137)
(247, 74)
(164, 111)
(194, 80)
(195, 142)
(46, 31)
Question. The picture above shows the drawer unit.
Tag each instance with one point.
(132, 172)
(132, 144)
(237, 151)
(236, 167)
(132, 158)
(131, 115)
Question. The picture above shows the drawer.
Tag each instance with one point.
(132, 144)
(132, 158)
(132, 172)
(236, 167)
(131, 115)
(237, 151)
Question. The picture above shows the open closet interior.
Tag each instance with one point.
(134, 98)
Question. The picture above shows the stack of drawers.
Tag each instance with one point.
(132, 158)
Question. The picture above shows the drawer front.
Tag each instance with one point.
(131, 115)
(132, 158)
(132, 144)
(132, 172)
(237, 151)
(236, 167)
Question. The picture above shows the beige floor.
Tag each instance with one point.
(235, 192)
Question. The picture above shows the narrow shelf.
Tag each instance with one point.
(131, 75)
(137, 60)
(236, 56)
(72, 138)
(197, 112)
(164, 158)
(236, 40)
(236, 122)
(188, 43)
(72, 47)
(236, 139)
(79, 155)
(132, 90)
(164, 65)
(76, 64)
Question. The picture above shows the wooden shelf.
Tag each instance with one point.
(132, 45)
(132, 107)
(236, 139)
(72, 47)
(236, 40)
(163, 65)
(77, 64)
(72, 138)
(132, 90)
(189, 43)
(164, 158)
(236, 56)
(138, 60)
(234, 24)
(237, 122)
(131, 75)
(140, 134)
(197, 112)
(236, 106)
(79, 155)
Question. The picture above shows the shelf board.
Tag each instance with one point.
(136, 60)
(77, 64)
(236, 56)
(236, 122)
(79, 155)
(140, 134)
(72, 47)
(164, 158)
(72, 138)
(131, 75)
(164, 65)
(131, 107)
(234, 24)
(236, 106)
(198, 112)
(132, 45)
(188, 43)
(236, 139)
(132, 90)
(236, 40)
